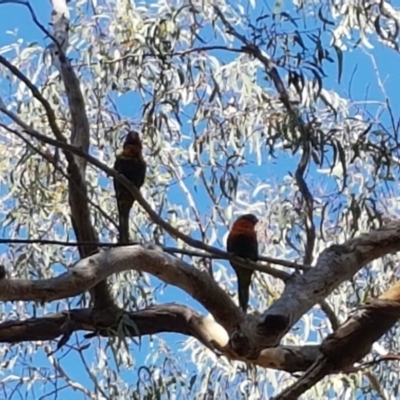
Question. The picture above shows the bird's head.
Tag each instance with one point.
(133, 139)
(251, 218)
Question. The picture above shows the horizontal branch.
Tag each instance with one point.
(152, 320)
(89, 271)
(249, 334)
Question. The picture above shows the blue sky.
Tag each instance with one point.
(357, 69)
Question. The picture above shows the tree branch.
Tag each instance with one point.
(334, 265)
(351, 342)
(166, 249)
(152, 320)
(80, 138)
(249, 334)
(87, 272)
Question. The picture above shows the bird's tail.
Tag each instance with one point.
(123, 216)
(244, 281)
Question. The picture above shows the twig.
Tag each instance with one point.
(309, 202)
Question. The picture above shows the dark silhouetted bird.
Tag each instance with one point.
(242, 241)
(130, 163)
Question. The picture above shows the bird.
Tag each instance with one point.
(242, 242)
(130, 163)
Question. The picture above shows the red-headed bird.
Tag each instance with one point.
(242, 241)
(130, 163)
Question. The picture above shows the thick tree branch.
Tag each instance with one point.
(87, 272)
(334, 265)
(80, 138)
(153, 320)
(351, 342)
(244, 340)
